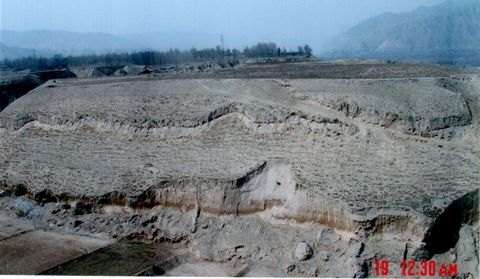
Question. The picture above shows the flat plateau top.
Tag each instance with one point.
(395, 143)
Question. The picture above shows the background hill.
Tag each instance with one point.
(64, 43)
(446, 33)
(7, 52)
(175, 39)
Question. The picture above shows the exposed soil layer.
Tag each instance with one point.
(320, 176)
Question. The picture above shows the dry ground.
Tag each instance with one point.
(361, 160)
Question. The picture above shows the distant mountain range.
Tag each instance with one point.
(7, 52)
(48, 43)
(175, 39)
(448, 32)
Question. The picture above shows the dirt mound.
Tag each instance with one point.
(104, 71)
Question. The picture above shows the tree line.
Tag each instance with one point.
(271, 50)
(172, 56)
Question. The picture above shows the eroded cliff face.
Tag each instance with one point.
(241, 171)
(414, 106)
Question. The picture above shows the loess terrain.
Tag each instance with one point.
(303, 169)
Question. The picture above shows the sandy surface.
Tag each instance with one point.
(358, 168)
(129, 137)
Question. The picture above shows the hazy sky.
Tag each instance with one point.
(283, 21)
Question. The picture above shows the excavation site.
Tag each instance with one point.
(223, 174)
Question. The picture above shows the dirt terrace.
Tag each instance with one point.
(366, 157)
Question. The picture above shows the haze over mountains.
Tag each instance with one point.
(7, 52)
(450, 29)
(47, 43)
(175, 39)
(446, 33)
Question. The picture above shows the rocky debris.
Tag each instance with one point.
(81, 209)
(23, 207)
(45, 196)
(303, 251)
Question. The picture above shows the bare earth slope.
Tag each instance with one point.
(360, 169)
